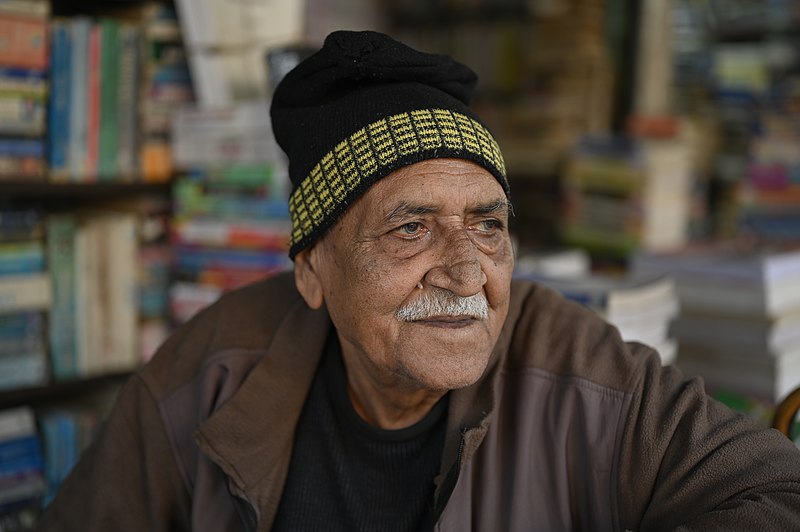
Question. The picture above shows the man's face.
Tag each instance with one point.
(442, 223)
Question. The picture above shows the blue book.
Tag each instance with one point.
(58, 132)
(21, 147)
(80, 28)
(20, 455)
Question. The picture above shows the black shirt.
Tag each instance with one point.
(348, 475)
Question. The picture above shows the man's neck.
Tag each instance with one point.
(387, 402)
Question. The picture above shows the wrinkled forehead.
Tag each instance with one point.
(430, 186)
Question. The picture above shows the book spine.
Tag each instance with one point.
(26, 40)
(80, 28)
(21, 147)
(24, 292)
(20, 454)
(109, 105)
(58, 128)
(93, 103)
(128, 102)
(23, 369)
(22, 113)
(61, 251)
(21, 257)
(17, 422)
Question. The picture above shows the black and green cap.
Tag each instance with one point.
(361, 107)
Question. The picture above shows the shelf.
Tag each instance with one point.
(44, 190)
(58, 391)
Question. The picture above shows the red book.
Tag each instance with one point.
(23, 42)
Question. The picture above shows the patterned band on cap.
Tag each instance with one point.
(367, 154)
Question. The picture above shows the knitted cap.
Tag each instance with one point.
(361, 107)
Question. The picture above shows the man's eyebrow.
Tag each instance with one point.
(408, 209)
(501, 206)
(405, 209)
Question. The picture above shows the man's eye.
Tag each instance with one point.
(411, 229)
(489, 226)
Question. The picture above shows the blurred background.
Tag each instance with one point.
(652, 150)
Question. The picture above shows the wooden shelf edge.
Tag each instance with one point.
(58, 390)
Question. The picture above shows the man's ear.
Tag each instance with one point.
(307, 278)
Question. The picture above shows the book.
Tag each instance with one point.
(22, 332)
(108, 117)
(25, 42)
(128, 102)
(80, 29)
(22, 112)
(93, 102)
(624, 194)
(21, 461)
(61, 232)
(58, 129)
(765, 377)
(31, 291)
(570, 262)
(641, 307)
(27, 8)
(22, 158)
(20, 224)
(759, 336)
(215, 232)
(106, 293)
(728, 281)
(21, 257)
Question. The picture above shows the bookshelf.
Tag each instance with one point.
(85, 199)
(48, 192)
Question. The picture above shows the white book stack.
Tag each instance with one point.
(641, 307)
(739, 326)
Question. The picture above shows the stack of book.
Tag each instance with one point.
(25, 298)
(739, 326)
(23, 89)
(623, 194)
(227, 43)
(166, 85)
(231, 221)
(93, 266)
(22, 476)
(116, 78)
(642, 307)
(770, 194)
(92, 117)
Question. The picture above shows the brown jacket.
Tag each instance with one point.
(569, 429)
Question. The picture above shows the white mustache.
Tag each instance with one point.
(444, 303)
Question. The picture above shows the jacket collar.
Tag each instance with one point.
(250, 436)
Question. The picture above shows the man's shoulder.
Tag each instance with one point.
(550, 333)
(233, 333)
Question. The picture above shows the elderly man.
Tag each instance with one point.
(401, 380)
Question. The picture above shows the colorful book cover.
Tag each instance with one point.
(59, 107)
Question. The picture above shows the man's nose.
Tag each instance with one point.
(458, 268)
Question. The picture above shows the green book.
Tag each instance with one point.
(107, 167)
(61, 259)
